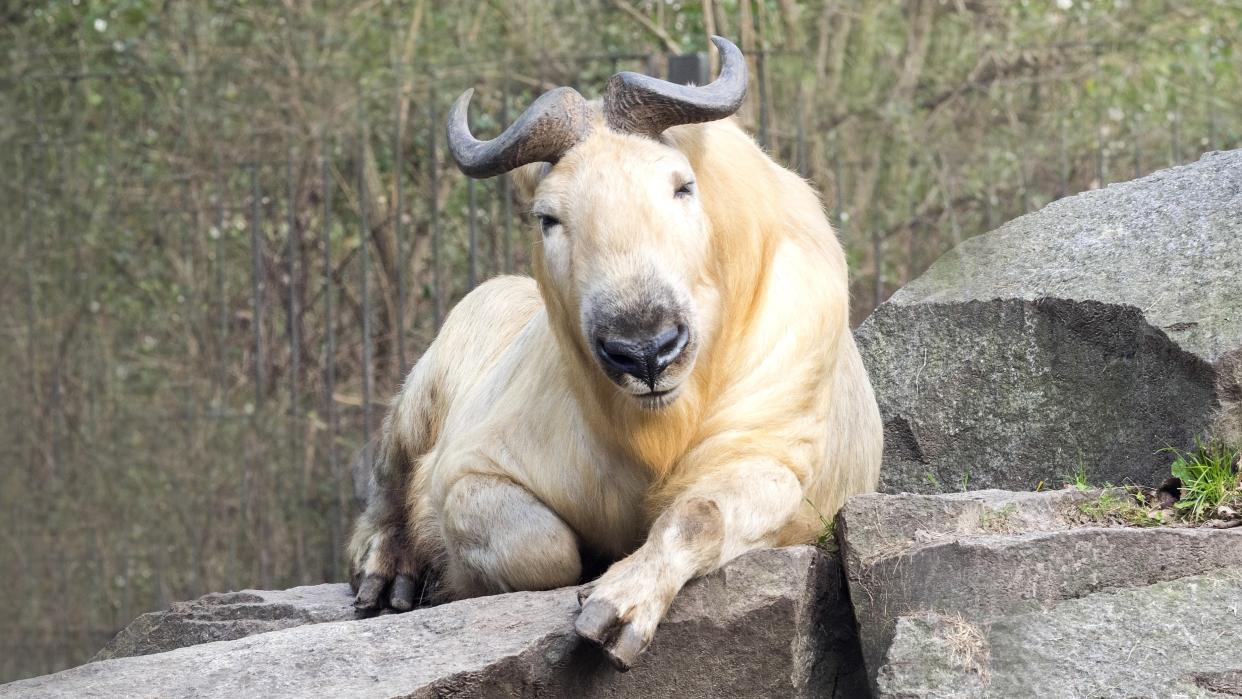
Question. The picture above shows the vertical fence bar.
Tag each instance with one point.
(506, 213)
(364, 235)
(189, 235)
(1100, 176)
(295, 309)
(1211, 108)
(398, 229)
(506, 197)
(107, 372)
(1019, 160)
(222, 318)
(838, 177)
(800, 147)
(230, 569)
(989, 197)
(493, 265)
(296, 453)
(56, 390)
(1175, 118)
(472, 255)
(189, 238)
(760, 61)
(329, 359)
(433, 161)
(34, 431)
(1063, 166)
(877, 245)
(257, 285)
(32, 314)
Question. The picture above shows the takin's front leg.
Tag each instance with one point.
(498, 537)
(715, 519)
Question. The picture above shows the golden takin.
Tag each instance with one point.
(676, 386)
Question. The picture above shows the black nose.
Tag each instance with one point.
(646, 358)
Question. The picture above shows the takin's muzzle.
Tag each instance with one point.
(640, 334)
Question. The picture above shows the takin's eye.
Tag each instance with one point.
(547, 223)
(685, 190)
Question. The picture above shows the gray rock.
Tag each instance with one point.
(774, 623)
(1170, 640)
(1095, 331)
(227, 616)
(980, 556)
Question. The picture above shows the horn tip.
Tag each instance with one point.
(723, 44)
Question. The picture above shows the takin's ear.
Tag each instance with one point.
(526, 179)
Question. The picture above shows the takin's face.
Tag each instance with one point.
(625, 250)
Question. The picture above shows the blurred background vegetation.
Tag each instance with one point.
(229, 228)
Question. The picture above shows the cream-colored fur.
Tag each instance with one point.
(509, 454)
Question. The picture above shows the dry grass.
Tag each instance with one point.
(968, 647)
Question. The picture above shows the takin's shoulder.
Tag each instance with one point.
(501, 298)
(482, 326)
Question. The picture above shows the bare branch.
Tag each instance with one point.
(656, 30)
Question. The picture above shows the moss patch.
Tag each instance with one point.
(1000, 520)
(1127, 508)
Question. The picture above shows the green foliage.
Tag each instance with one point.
(1079, 478)
(1210, 479)
(827, 536)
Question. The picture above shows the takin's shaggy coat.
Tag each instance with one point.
(519, 457)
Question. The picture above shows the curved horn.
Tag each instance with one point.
(641, 104)
(549, 127)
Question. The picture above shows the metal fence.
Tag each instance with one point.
(205, 312)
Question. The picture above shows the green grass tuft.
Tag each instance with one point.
(1079, 478)
(1209, 479)
(827, 539)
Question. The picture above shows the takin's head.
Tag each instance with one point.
(624, 254)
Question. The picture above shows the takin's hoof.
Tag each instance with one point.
(401, 596)
(599, 623)
(370, 598)
(378, 594)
